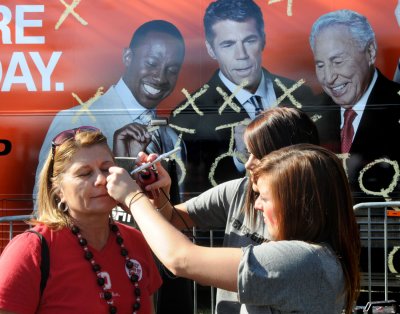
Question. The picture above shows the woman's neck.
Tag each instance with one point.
(96, 232)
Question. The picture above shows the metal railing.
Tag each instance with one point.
(212, 238)
(11, 220)
(379, 224)
(379, 228)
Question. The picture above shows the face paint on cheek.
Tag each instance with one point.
(271, 218)
(272, 222)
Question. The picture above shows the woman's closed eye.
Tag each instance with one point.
(85, 173)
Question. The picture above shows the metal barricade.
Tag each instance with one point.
(206, 304)
(14, 211)
(379, 224)
(10, 220)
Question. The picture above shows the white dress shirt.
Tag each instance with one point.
(265, 90)
(130, 102)
(268, 97)
(359, 106)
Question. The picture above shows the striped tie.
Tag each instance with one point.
(257, 103)
(155, 145)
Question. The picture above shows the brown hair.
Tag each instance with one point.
(51, 175)
(276, 128)
(314, 200)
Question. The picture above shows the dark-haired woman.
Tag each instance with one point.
(310, 263)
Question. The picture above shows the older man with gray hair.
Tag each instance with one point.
(361, 111)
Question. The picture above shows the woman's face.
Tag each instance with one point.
(266, 204)
(83, 184)
(251, 162)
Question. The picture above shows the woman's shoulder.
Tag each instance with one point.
(226, 190)
(42, 229)
(238, 182)
(31, 235)
(49, 234)
(301, 245)
(233, 186)
(294, 255)
(299, 249)
(28, 244)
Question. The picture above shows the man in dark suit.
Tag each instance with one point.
(239, 90)
(362, 112)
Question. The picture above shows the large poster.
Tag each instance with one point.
(62, 54)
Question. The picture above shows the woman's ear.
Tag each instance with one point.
(59, 195)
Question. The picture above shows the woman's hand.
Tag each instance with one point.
(163, 180)
(120, 185)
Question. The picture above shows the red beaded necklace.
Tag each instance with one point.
(107, 295)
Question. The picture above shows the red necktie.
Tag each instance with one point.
(347, 130)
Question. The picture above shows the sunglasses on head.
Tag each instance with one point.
(66, 135)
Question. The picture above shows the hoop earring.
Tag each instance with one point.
(63, 207)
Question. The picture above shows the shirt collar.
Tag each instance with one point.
(127, 97)
(360, 105)
(243, 95)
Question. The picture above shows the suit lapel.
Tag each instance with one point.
(216, 82)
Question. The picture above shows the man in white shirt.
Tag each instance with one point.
(362, 108)
(152, 64)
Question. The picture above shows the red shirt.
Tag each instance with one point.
(72, 286)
